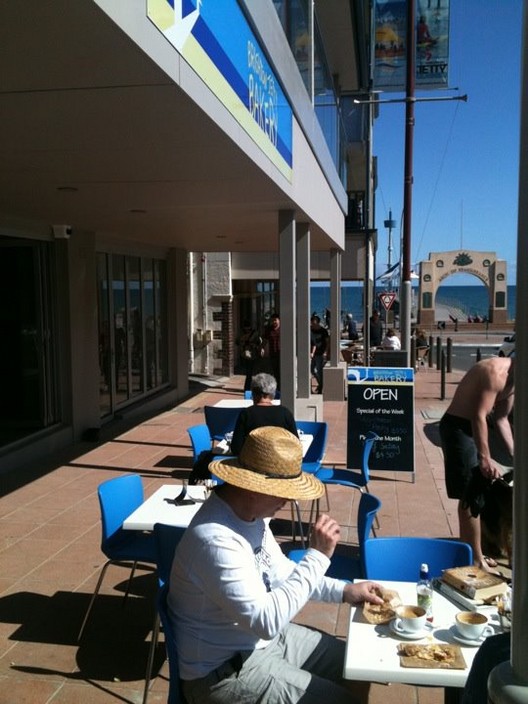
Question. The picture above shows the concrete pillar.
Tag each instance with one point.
(508, 682)
(303, 309)
(177, 319)
(334, 374)
(288, 308)
(505, 688)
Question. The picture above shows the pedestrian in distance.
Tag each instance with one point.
(351, 327)
(273, 346)
(391, 341)
(251, 349)
(319, 346)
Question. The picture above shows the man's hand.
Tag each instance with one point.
(325, 535)
(489, 469)
(361, 592)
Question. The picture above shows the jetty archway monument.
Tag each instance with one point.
(484, 265)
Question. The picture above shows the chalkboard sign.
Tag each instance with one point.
(381, 399)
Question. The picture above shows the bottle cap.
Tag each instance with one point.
(424, 567)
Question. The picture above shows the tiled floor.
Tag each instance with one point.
(50, 557)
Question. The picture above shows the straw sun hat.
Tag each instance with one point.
(270, 462)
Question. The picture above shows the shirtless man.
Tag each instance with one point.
(488, 386)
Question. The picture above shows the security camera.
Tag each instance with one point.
(62, 232)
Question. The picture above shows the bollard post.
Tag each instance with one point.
(430, 354)
(449, 353)
(479, 355)
(443, 376)
(438, 351)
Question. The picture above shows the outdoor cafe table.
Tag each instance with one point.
(157, 509)
(240, 402)
(372, 650)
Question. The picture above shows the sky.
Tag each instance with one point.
(466, 155)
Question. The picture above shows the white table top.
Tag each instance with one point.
(371, 652)
(156, 510)
(240, 402)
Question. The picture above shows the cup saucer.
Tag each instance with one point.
(415, 635)
(466, 641)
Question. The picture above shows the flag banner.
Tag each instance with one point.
(390, 46)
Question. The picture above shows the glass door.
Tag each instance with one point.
(133, 354)
(27, 353)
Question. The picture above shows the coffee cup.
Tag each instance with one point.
(410, 619)
(473, 625)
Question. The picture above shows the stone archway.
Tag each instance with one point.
(484, 265)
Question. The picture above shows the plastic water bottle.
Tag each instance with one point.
(424, 591)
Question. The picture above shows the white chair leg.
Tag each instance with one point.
(96, 592)
(294, 503)
(376, 519)
(152, 650)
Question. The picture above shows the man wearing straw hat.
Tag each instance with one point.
(233, 592)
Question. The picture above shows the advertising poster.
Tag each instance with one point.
(432, 44)
(381, 399)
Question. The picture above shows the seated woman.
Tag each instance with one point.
(262, 412)
(391, 341)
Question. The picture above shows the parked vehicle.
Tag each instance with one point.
(507, 347)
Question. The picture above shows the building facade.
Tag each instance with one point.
(146, 153)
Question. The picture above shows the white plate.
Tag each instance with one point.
(465, 641)
(417, 635)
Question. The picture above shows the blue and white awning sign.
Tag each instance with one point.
(215, 39)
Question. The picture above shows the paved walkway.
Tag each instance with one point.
(50, 556)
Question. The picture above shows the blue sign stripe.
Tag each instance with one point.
(218, 55)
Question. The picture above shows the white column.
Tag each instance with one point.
(303, 310)
(178, 316)
(288, 308)
(334, 374)
(335, 306)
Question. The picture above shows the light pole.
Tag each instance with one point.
(390, 224)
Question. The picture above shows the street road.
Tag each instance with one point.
(464, 356)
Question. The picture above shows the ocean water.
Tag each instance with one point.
(471, 300)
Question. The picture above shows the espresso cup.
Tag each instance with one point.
(411, 619)
(473, 625)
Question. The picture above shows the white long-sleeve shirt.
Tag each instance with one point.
(232, 589)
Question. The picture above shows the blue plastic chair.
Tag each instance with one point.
(356, 479)
(349, 568)
(399, 558)
(315, 453)
(311, 463)
(220, 421)
(200, 439)
(350, 477)
(118, 498)
(249, 396)
(166, 540)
